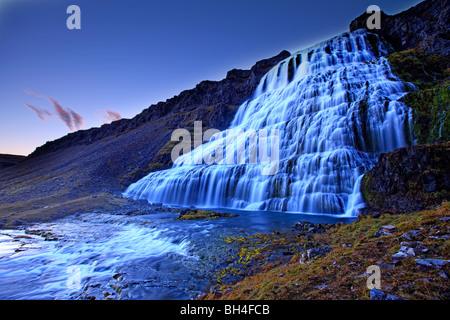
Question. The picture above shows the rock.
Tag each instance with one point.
(412, 244)
(389, 229)
(412, 235)
(346, 245)
(421, 249)
(404, 252)
(322, 287)
(386, 266)
(424, 26)
(429, 264)
(308, 227)
(399, 256)
(320, 251)
(376, 294)
(395, 185)
(384, 231)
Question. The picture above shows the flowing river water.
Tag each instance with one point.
(116, 256)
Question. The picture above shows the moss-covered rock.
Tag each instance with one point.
(431, 113)
(431, 102)
(193, 214)
(408, 179)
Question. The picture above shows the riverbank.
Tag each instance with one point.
(317, 262)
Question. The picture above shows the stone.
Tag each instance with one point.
(412, 235)
(376, 294)
(412, 244)
(403, 252)
(386, 266)
(389, 229)
(399, 256)
(430, 264)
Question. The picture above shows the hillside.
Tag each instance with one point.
(60, 177)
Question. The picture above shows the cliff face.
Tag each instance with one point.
(408, 179)
(424, 26)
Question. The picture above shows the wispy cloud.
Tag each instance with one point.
(41, 113)
(78, 121)
(70, 118)
(109, 116)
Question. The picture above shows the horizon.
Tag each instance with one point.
(56, 81)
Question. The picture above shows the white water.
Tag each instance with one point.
(336, 108)
(88, 253)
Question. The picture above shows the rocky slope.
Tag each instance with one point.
(8, 160)
(214, 96)
(60, 177)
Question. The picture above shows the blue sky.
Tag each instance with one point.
(130, 54)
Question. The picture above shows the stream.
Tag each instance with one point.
(108, 255)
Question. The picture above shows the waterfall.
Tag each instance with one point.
(332, 109)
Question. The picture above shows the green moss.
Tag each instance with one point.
(367, 196)
(203, 214)
(431, 113)
(412, 66)
(431, 102)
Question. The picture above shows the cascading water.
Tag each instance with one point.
(335, 107)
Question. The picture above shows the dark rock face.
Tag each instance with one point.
(408, 179)
(237, 87)
(425, 26)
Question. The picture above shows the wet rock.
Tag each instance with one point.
(376, 294)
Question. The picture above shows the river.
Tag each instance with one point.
(107, 255)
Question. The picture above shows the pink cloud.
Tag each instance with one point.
(70, 118)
